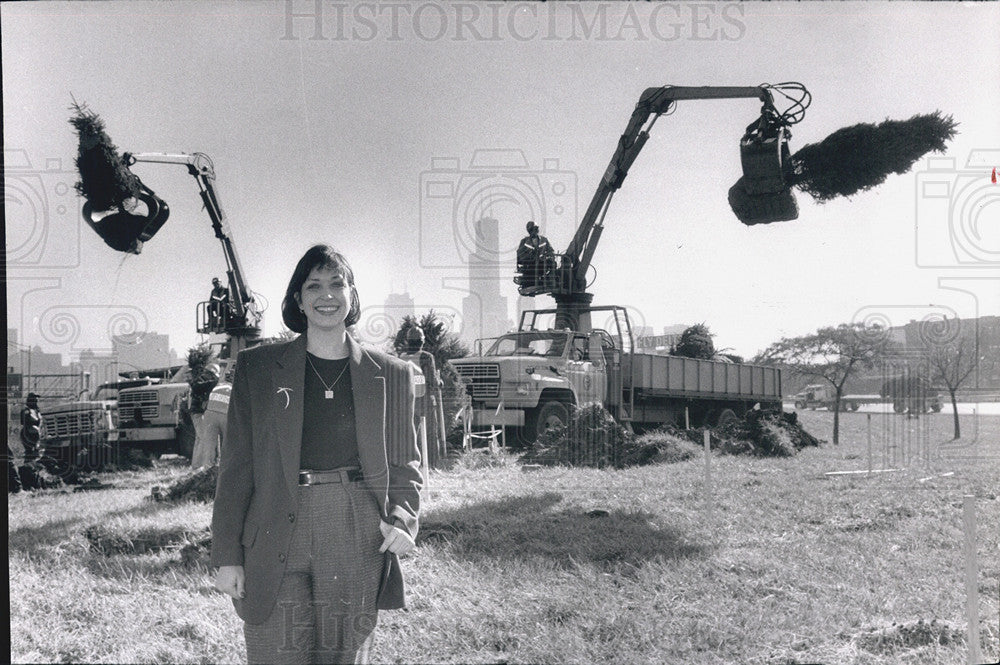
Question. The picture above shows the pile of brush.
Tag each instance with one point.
(592, 438)
(198, 485)
(764, 434)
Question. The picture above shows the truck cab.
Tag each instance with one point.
(87, 421)
(530, 378)
(149, 417)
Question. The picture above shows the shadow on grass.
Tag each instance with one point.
(523, 527)
(28, 539)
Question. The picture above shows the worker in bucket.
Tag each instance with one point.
(218, 303)
(535, 256)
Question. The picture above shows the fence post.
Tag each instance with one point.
(425, 463)
(466, 428)
(971, 580)
(687, 419)
(869, 444)
(708, 473)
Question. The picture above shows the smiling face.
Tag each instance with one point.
(325, 299)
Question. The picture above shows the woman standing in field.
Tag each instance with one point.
(319, 479)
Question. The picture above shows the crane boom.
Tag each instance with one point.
(200, 166)
(653, 102)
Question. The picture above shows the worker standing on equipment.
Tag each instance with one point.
(429, 404)
(218, 303)
(535, 256)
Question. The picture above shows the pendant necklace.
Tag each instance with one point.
(328, 393)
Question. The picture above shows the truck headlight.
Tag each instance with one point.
(523, 388)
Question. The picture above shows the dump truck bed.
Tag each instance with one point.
(690, 377)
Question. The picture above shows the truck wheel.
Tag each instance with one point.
(898, 406)
(548, 416)
(936, 407)
(185, 436)
(800, 406)
(727, 417)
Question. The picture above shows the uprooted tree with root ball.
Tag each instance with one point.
(831, 354)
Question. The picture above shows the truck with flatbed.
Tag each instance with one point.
(823, 396)
(530, 379)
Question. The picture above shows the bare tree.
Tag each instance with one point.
(831, 354)
(952, 362)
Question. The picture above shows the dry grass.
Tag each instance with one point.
(783, 565)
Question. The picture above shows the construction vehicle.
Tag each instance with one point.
(821, 396)
(531, 378)
(155, 418)
(70, 428)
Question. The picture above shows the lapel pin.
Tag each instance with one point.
(285, 391)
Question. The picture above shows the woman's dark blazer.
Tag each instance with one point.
(258, 482)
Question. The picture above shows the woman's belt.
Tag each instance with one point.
(347, 474)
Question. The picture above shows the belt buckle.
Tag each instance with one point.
(305, 478)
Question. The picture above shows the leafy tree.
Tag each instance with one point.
(831, 354)
(695, 342)
(953, 361)
(440, 343)
(443, 345)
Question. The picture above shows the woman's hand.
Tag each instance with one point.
(397, 540)
(229, 580)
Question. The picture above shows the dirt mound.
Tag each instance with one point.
(912, 635)
(110, 540)
(764, 434)
(592, 438)
(196, 486)
(664, 445)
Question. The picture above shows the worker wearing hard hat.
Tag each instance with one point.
(535, 256)
(213, 426)
(206, 443)
(428, 403)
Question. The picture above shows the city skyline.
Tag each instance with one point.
(390, 144)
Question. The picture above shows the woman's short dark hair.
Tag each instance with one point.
(317, 256)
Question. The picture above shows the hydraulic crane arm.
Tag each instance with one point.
(653, 102)
(200, 166)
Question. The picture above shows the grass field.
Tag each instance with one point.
(783, 564)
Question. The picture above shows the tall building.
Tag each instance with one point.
(98, 367)
(484, 310)
(397, 307)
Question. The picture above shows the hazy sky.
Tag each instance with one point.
(329, 129)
